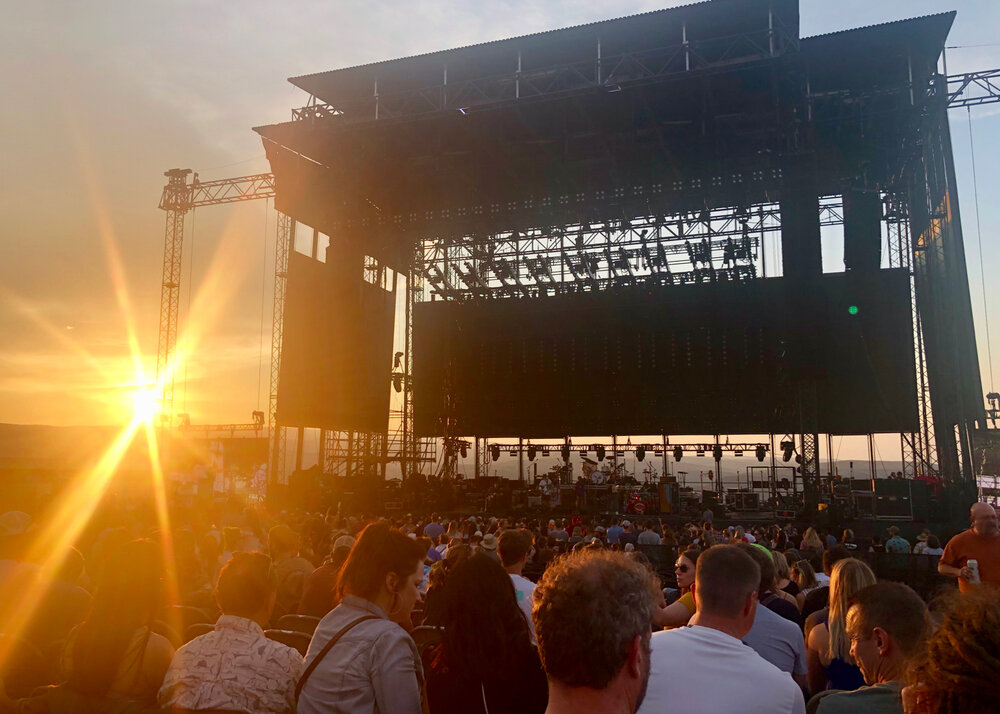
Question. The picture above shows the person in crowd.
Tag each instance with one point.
(361, 660)
(957, 670)
(805, 578)
(705, 668)
(886, 625)
(773, 636)
(918, 547)
(539, 558)
(485, 663)
(114, 653)
(628, 534)
(614, 533)
(818, 598)
(811, 542)
(577, 536)
(236, 667)
(488, 545)
(708, 516)
(437, 577)
(783, 576)
(592, 614)
(778, 601)
(876, 545)
(317, 591)
(290, 568)
(896, 543)
(847, 539)
(649, 536)
(933, 546)
(433, 529)
(678, 613)
(513, 547)
(828, 646)
(558, 532)
(981, 543)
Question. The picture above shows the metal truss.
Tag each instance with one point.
(282, 249)
(353, 453)
(611, 73)
(973, 89)
(706, 246)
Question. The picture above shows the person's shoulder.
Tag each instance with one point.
(852, 701)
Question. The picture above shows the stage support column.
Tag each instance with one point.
(520, 461)
(476, 450)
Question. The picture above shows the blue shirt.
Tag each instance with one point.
(614, 533)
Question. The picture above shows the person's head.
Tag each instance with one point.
(384, 567)
(933, 541)
(764, 563)
(232, 538)
(592, 613)
(957, 670)
(847, 536)
(886, 625)
(684, 567)
(849, 577)
(513, 547)
(804, 574)
(811, 539)
(247, 587)
(832, 555)
(484, 628)
(781, 569)
(983, 517)
(725, 586)
(893, 531)
(282, 542)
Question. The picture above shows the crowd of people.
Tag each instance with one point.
(485, 614)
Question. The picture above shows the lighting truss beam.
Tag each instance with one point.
(973, 89)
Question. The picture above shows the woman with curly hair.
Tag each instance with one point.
(958, 670)
(485, 662)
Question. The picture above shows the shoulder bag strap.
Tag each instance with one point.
(326, 648)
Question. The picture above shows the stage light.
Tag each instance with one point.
(852, 310)
(463, 450)
(737, 453)
(717, 453)
(531, 452)
(787, 447)
(258, 419)
(640, 453)
(494, 451)
(761, 453)
(678, 453)
(600, 453)
(699, 452)
(397, 382)
(564, 452)
(397, 358)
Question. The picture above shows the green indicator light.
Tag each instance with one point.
(852, 310)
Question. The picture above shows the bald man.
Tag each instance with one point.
(981, 543)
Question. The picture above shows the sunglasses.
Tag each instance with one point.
(681, 567)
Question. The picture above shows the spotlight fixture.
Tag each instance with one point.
(737, 453)
(397, 382)
(258, 419)
(717, 453)
(761, 453)
(396, 360)
(600, 453)
(463, 450)
(494, 451)
(787, 448)
(640, 453)
(531, 452)
(678, 453)
(564, 452)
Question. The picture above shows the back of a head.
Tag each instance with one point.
(764, 562)
(724, 576)
(379, 550)
(588, 609)
(246, 584)
(957, 670)
(513, 546)
(483, 626)
(282, 541)
(832, 555)
(895, 608)
(849, 577)
(232, 538)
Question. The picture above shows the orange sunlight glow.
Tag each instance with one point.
(75, 506)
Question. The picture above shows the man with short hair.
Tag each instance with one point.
(887, 625)
(614, 533)
(896, 543)
(628, 535)
(513, 547)
(290, 568)
(592, 612)
(981, 543)
(773, 636)
(648, 535)
(704, 668)
(236, 667)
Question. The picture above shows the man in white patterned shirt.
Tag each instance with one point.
(236, 667)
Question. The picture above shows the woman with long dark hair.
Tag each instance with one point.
(486, 662)
(114, 653)
(361, 660)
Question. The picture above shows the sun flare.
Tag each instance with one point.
(145, 405)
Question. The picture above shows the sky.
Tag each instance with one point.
(98, 99)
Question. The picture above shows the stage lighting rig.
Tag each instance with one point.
(532, 451)
(564, 452)
(787, 449)
(761, 452)
(678, 453)
(495, 452)
(717, 453)
(640, 453)
(258, 419)
(600, 453)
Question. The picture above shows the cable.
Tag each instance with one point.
(979, 241)
(263, 288)
(962, 47)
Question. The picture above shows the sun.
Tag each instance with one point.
(145, 405)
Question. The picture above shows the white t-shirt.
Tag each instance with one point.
(524, 590)
(822, 579)
(777, 640)
(699, 670)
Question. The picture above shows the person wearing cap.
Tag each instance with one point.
(628, 535)
(488, 545)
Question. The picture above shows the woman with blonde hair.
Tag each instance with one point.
(811, 541)
(828, 648)
(783, 576)
(805, 578)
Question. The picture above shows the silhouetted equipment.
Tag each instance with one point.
(678, 453)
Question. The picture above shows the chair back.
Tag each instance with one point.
(298, 623)
(197, 630)
(298, 640)
(426, 637)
